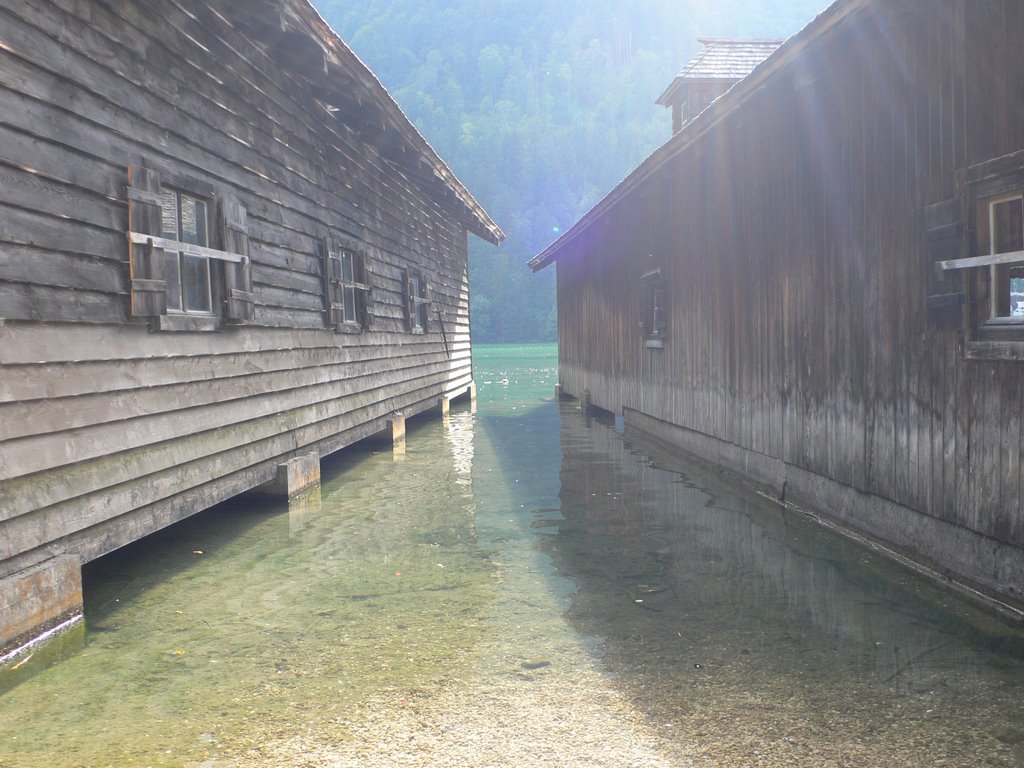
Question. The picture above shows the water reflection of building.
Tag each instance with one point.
(459, 437)
(726, 561)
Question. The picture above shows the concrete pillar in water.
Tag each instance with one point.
(38, 599)
(472, 397)
(396, 426)
(445, 404)
(297, 475)
(585, 404)
(559, 395)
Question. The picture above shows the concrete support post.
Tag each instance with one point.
(396, 426)
(472, 397)
(445, 404)
(559, 395)
(38, 599)
(297, 475)
(585, 404)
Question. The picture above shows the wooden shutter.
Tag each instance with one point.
(410, 300)
(239, 301)
(146, 263)
(944, 235)
(334, 309)
(366, 305)
(425, 303)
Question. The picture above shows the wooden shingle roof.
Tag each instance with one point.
(725, 59)
(721, 59)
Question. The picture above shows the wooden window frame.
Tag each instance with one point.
(177, 250)
(966, 224)
(1000, 310)
(416, 299)
(229, 270)
(654, 308)
(348, 301)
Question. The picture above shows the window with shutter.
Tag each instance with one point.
(417, 301)
(185, 218)
(347, 291)
(179, 280)
(146, 261)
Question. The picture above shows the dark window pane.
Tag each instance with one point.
(169, 214)
(346, 266)
(196, 283)
(350, 305)
(172, 273)
(193, 221)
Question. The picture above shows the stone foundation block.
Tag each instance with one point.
(36, 599)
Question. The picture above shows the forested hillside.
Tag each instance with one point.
(540, 107)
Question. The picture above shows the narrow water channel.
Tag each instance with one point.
(524, 586)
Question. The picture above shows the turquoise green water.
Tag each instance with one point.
(508, 536)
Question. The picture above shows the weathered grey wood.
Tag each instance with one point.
(238, 293)
(815, 238)
(23, 419)
(148, 283)
(20, 301)
(111, 428)
(40, 266)
(1013, 257)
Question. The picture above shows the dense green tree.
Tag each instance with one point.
(540, 107)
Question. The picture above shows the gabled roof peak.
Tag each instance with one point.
(728, 58)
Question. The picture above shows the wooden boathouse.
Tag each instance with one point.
(818, 283)
(224, 253)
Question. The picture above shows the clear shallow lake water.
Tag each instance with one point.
(524, 580)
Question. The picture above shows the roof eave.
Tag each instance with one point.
(337, 52)
(702, 123)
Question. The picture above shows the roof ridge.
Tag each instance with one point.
(755, 40)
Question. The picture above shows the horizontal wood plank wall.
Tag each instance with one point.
(793, 240)
(108, 431)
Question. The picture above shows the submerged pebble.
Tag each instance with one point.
(535, 663)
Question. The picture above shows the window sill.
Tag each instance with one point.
(654, 344)
(187, 323)
(348, 328)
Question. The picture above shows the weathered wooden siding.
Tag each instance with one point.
(109, 431)
(793, 237)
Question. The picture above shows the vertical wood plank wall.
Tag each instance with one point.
(793, 240)
(109, 431)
